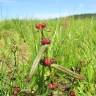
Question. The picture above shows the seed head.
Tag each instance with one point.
(72, 93)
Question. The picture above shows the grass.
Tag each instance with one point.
(73, 45)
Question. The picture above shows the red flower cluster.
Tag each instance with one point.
(52, 86)
(16, 90)
(48, 61)
(45, 41)
(40, 26)
(72, 93)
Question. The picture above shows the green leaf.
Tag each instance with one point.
(68, 71)
(36, 61)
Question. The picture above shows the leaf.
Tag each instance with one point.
(36, 61)
(67, 71)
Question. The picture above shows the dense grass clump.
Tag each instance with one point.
(73, 46)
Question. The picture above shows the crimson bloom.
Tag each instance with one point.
(72, 93)
(48, 61)
(16, 90)
(45, 41)
(52, 86)
(40, 26)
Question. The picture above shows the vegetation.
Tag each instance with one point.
(73, 46)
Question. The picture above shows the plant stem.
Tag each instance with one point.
(42, 34)
(15, 63)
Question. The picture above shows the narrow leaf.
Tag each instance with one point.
(68, 71)
(36, 61)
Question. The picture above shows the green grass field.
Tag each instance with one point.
(73, 45)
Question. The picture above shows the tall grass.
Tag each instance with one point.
(73, 44)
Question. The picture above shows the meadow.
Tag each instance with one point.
(73, 46)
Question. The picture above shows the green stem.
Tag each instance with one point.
(42, 79)
(42, 34)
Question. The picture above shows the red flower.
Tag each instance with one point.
(48, 61)
(16, 90)
(40, 26)
(72, 93)
(45, 41)
(52, 86)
